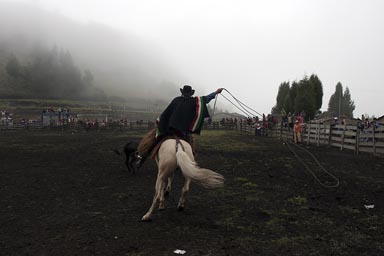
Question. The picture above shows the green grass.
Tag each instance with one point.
(298, 200)
(249, 185)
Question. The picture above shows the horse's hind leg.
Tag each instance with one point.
(169, 185)
(159, 190)
(161, 199)
(184, 192)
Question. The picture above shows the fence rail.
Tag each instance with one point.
(77, 126)
(347, 137)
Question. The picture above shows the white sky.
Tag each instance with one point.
(251, 46)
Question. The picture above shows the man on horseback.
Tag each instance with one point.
(183, 116)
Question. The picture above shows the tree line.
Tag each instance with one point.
(48, 74)
(306, 96)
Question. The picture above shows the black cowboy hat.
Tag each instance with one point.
(187, 91)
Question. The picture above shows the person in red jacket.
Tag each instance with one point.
(297, 132)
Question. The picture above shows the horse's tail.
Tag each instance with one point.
(205, 177)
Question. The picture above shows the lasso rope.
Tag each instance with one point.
(309, 169)
(243, 107)
(214, 105)
(242, 104)
(247, 112)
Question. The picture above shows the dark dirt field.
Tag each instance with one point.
(64, 193)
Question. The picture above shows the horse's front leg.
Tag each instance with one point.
(158, 191)
(184, 192)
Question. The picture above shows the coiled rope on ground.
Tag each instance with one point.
(289, 145)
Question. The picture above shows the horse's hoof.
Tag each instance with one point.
(161, 209)
(180, 208)
(145, 219)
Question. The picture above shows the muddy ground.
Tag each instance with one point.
(67, 193)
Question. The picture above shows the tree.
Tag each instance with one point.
(288, 106)
(282, 94)
(340, 103)
(49, 73)
(88, 78)
(292, 96)
(13, 66)
(317, 88)
(304, 95)
(305, 99)
(348, 105)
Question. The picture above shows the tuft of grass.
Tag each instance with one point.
(241, 179)
(298, 200)
(249, 185)
(275, 224)
(231, 219)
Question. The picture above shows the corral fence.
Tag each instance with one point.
(80, 125)
(344, 137)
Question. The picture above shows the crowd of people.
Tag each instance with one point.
(293, 123)
(365, 124)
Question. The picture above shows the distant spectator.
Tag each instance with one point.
(299, 118)
(290, 121)
(360, 125)
(367, 124)
(375, 123)
(297, 132)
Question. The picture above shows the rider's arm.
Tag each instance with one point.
(211, 96)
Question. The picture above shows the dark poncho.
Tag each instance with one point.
(183, 114)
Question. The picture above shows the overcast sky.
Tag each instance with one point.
(250, 47)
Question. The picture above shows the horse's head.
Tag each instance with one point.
(137, 160)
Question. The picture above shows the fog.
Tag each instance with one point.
(151, 48)
(122, 64)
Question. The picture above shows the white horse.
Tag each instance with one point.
(175, 153)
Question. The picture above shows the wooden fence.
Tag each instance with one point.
(78, 126)
(369, 140)
(349, 137)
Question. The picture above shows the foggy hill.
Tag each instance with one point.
(122, 65)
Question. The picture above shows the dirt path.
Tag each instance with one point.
(69, 194)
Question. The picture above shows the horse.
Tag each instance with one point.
(130, 150)
(168, 158)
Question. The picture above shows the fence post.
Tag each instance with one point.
(342, 138)
(330, 134)
(318, 133)
(357, 137)
(373, 140)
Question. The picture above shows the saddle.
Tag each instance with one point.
(156, 148)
